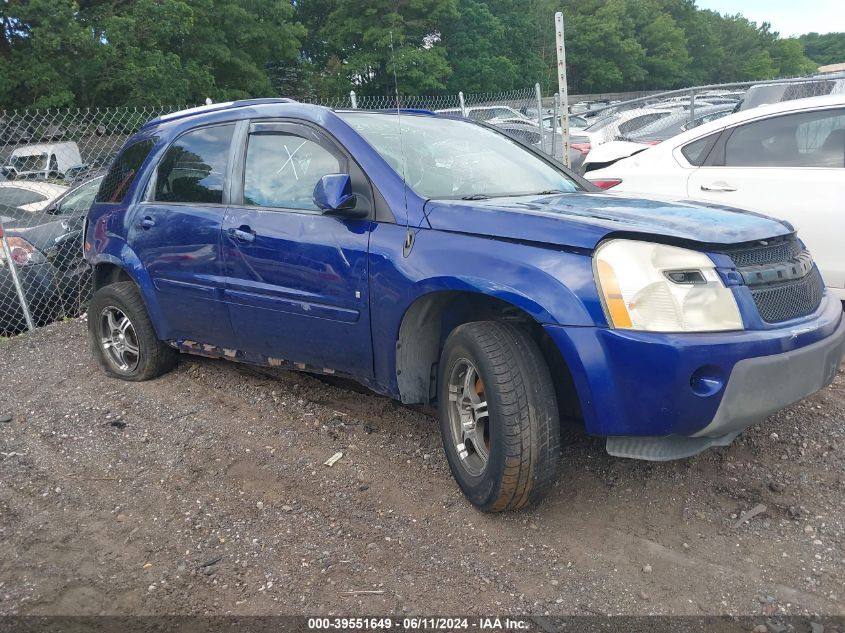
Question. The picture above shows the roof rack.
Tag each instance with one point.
(215, 107)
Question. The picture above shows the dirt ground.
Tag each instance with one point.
(204, 492)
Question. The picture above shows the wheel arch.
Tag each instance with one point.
(109, 269)
(432, 316)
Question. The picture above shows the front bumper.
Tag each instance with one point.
(666, 396)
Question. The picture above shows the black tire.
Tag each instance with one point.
(153, 358)
(522, 435)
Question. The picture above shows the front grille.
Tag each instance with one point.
(765, 253)
(774, 272)
(790, 300)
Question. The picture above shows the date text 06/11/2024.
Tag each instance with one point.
(419, 623)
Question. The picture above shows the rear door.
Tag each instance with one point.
(297, 285)
(791, 167)
(176, 235)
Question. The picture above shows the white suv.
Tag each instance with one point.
(786, 160)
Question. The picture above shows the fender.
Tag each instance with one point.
(119, 253)
(552, 286)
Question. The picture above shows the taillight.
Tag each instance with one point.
(581, 147)
(649, 142)
(23, 253)
(606, 183)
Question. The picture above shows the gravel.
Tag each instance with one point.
(204, 492)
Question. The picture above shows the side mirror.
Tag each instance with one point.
(333, 193)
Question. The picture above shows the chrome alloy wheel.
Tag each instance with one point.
(468, 417)
(118, 339)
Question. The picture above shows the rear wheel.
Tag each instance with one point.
(122, 337)
(498, 415)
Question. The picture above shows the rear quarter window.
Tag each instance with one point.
(697, 151)
(123, 171)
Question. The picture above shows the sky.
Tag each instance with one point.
(788, 17)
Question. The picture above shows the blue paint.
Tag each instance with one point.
(638, 383)
(330, 291)
(333, 192)
(581, 220)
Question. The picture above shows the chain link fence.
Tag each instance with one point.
(51, 163)
(654, 118)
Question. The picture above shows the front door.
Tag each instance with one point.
(176, 235)
(297, 284)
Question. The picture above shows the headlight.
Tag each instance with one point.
(661, 288)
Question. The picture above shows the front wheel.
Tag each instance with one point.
(122, 337)
(498, 415)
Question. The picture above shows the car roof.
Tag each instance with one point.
(38, 186)
(27, 150)
(212, 107)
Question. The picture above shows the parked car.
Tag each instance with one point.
(29, 196)
(455, 267)
(575, 122)
(616, 124)
(679, 103)
(43, 161)
(608, 153)
(490, 114)
(763, 94)
(548, 142)
(786, 160)
(669, 126)
(47, 252)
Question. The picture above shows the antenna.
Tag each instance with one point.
(409, 237)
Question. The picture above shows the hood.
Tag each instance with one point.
(582, 220)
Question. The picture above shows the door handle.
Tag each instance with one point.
(147, 223)
(718, 187)
(242, 234)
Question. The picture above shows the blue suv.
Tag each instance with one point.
(436, 260)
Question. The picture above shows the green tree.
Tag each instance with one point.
(788, 55)
(602, 52)
(667, 58)
(360, 44)
(477, 47)
(42, 45)
(99, 52)
(824, 49)
(182, 51)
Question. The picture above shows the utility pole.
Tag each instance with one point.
(561, 86)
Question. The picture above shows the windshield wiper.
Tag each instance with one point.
(548, 192)
(475, 196)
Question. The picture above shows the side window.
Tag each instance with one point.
(807, 139)
(697, 151)
(123, 171)
(640, 121)
(821, 141)
(281, 170)
(194, 167)
(80, 199)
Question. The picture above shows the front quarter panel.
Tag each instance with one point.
(552, 286)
